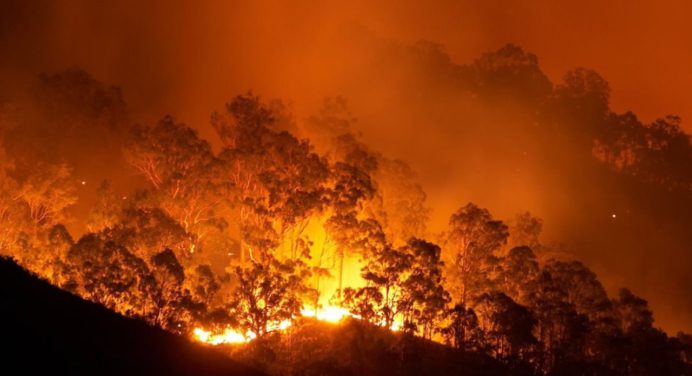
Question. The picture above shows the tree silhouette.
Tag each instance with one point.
(472, 238)
(269, 292)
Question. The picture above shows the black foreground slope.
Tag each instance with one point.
(44, 330)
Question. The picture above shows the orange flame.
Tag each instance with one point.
(330, 314)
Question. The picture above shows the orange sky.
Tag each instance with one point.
(642, 48)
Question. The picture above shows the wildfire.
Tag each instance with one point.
(232, 336)
(227, 336)
(330, 314)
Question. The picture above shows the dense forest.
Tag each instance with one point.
(245, 237)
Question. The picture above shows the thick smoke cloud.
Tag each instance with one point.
(187, 59)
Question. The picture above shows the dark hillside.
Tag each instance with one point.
(48, 331)
(353, 347)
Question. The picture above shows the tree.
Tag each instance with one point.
(647, 350)
(633, 312)
(268, 294)
(278, 180)
(585, 91)
(57, 245)
(74, 96)
(366, 303)
(353, 236)
(620, 141)
(48, 254)
(423, 293)
(347, 190)
(472, 238)
(582, 288)
(560, 329)
(403, 285)
(664, 158)
(9, 206)
(404, 212)
(184, 176)
(518, 273)
(462, 330)
(46, 193)
(69, 115)
(146, 231)
(38, 202)
(171, 301)
(581, 105)
(508, 325)
(203, 285)
(107, 273)
(107, 210)
(332, 120)
(387, 270)
(655, 153)
(510, 71)
(525, 230)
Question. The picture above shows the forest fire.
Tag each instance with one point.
(228, 336)
(319, 237)
(261, 236)
(329, 314)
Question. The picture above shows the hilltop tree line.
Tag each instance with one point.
(220, 236)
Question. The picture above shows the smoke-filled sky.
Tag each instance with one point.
(166, 53)
(187, 58)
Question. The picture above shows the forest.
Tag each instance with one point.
(280, 225)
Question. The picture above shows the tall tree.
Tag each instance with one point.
(463, 331)
(404, 212)
(471, 240)
(423, 294)
(518, 274)
(171, 301)
(278, 179)
(184, 176)
(508, 324)
(46, 193)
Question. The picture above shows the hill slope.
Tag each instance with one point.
(46, 330)
(354, 347)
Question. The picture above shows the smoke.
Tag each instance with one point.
(188, 58)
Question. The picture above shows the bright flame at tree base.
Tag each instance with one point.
(331, 314)
(228, 336)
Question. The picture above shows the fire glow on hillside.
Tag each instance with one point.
(329, 314)
(258, 220)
